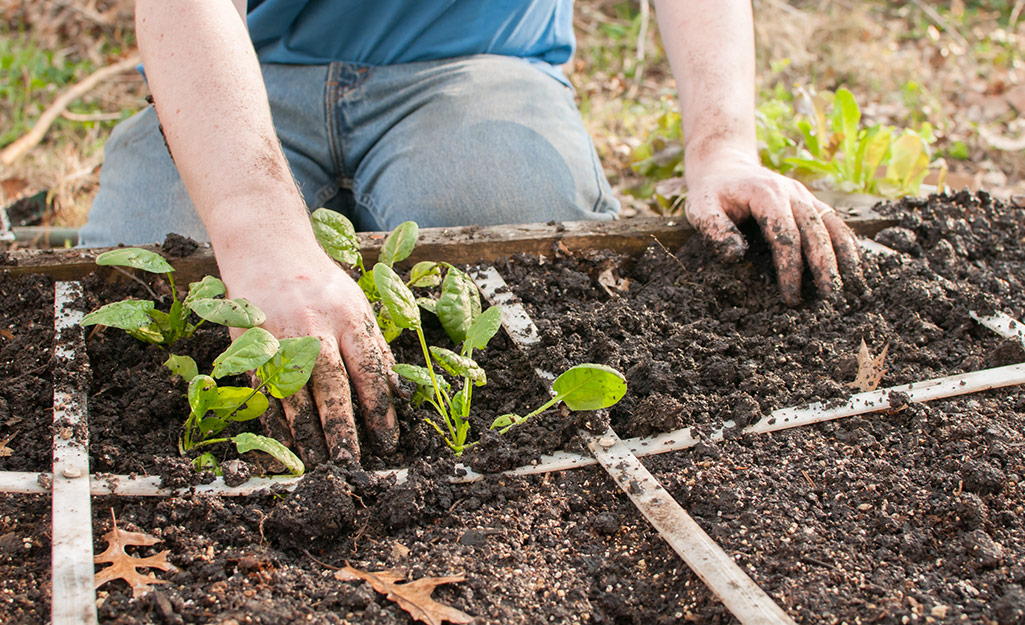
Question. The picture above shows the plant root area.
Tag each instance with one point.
(911, 515)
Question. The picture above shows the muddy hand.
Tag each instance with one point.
(321, 300)
(799, 228)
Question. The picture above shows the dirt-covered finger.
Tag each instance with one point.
(330, 385)
(307, 434)
(779, 228)
(707, 216)
(389, 361)
(817, 248)
(848, 252)
(370, 369)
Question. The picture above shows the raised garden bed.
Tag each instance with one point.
(914, 512)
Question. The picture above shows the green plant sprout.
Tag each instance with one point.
(459, 310)
(141, 319)
(582, 387)
(337, 236)
(282, 367)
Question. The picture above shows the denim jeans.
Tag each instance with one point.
(478, 140)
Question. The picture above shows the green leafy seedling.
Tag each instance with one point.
(141, 319)
(583, 387)
(463, 319)
(282, 367)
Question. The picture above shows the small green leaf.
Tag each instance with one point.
(148, 334)
(505, 422)
(247, 441)
(291, 365)
(234, 313)
(176, 320)
(366, 284)
(427, 304)
(184, 366)
(459, 304)
(590, 387)
(397, 297)
(129, 314)
(484, 327)
(202, 391)
(209, 426)
(255, 347)
(208, 287)
(236, 403)
(399, 244)
(336, 235)
(206, 461)
(459, 366)
(387, 326)
(414, 373)
(425, 273)
(461, 403)
(909, 162)
(846, 118)
(137, 258)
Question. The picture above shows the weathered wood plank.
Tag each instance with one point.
(467, 244)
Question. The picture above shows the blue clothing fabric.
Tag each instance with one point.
(390, 32)
(483, 140)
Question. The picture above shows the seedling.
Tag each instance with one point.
(583, 387)
(459, 309)
(282, 367)
(141, 319)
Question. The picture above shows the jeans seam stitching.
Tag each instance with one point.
(330, 112)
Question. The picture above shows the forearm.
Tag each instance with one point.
(212, 103)
(710, 45)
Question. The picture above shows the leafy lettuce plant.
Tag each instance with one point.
(837, 147)
(282, 368)
(816, 137)
(141, 319)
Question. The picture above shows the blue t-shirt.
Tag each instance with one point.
(386, 32)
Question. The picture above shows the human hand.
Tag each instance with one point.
(309, 295)
(731, 185)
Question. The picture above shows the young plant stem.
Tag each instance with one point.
(452, 440)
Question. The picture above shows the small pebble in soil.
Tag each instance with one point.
(236, 472)
(984, 551)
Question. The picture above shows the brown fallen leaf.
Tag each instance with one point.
(6, 451)
(870, 368)
(414, 597)
(125, 566)
(609, 281)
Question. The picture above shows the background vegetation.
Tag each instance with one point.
(950, 73)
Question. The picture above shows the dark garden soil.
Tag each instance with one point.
(24, 559)
(912, 515)
(26, 376)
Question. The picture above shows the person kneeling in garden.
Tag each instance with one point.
(443, 113)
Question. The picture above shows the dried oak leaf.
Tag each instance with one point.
(124, 566)
(870, 368)
(414, 597)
